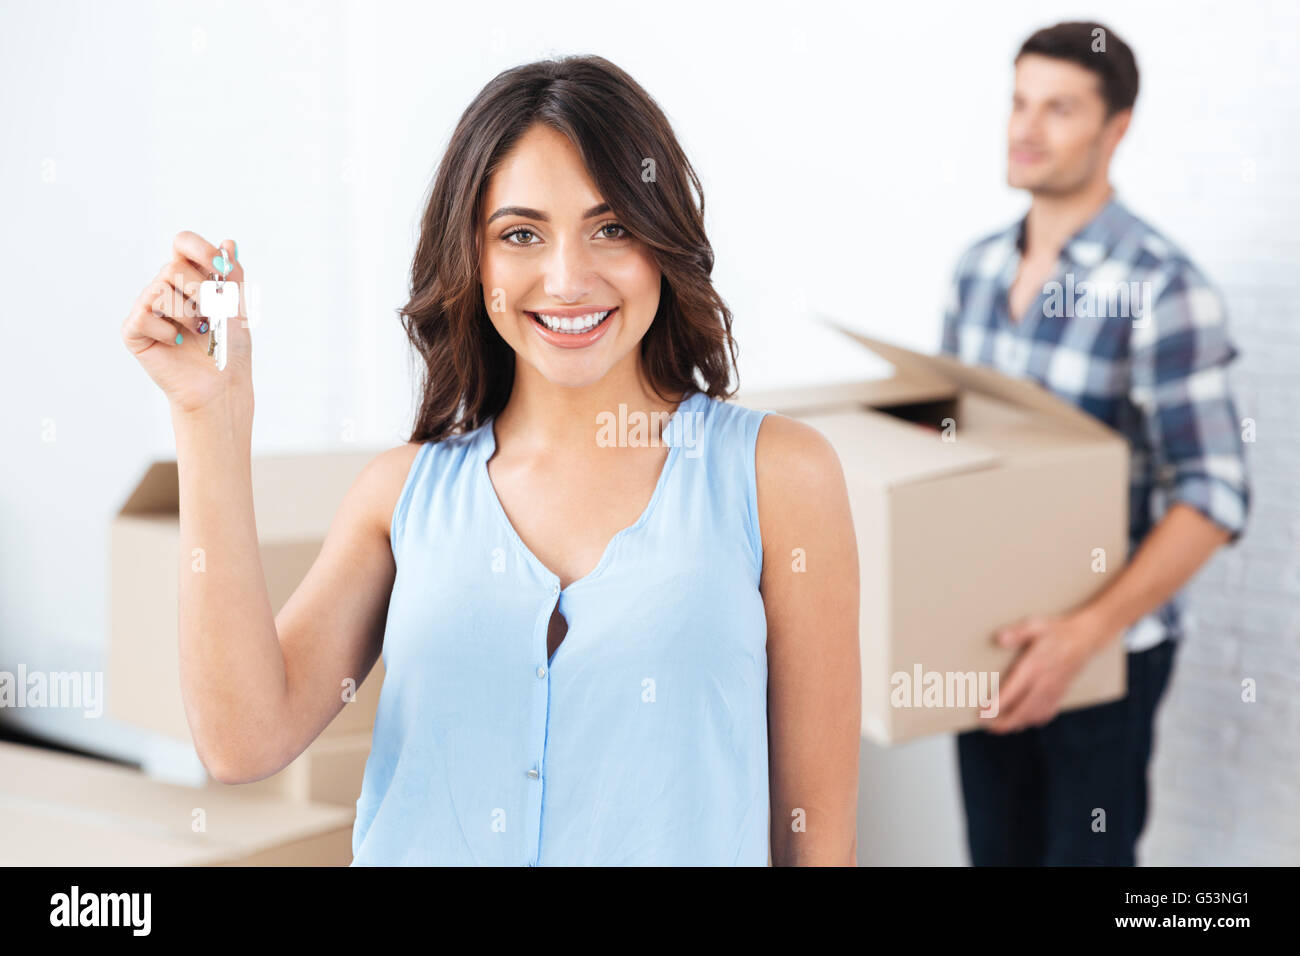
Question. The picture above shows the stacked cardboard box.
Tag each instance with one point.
(62, 810)
(295, 498)
(977, 500)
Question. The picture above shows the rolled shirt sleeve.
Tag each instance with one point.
(1180, 352)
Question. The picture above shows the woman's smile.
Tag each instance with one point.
(572, 327)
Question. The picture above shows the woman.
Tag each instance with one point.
(618, 614)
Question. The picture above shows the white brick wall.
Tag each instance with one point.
(1225, 779)
(1226, 776)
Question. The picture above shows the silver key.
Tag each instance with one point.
(218, 303)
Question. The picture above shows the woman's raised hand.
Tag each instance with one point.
(162, 328)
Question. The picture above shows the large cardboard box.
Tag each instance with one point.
(295, 498)
(978, 500)
(62, 810)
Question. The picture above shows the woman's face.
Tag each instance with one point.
(552, 255)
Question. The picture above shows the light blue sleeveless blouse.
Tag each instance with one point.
(643, 741)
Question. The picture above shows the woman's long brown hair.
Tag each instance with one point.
(633, 157)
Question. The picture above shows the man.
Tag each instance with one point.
(1043, 787)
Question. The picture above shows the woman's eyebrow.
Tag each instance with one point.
(527, 213)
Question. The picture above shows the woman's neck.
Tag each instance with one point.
(542, 415)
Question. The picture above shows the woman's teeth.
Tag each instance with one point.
(574, 326)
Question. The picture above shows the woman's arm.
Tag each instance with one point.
(259, 689)
(810, 589)
(332, 628)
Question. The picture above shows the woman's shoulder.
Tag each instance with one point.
(389, 469)
(791, 457)
(392, 466)
(379, 485)
(780, 441)
(789, 451)
(385, 477)
(800, 481)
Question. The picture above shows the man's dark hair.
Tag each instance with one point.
(1095, 48)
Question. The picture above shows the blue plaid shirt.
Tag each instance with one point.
(1131, 332)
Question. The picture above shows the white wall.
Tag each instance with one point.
(848, 153)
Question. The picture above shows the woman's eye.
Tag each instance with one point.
(523, 236)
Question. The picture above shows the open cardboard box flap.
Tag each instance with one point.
(1011, 417)
(890, 452)
(935, 369)
(874, 393)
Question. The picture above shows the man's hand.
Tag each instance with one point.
(1054, 649)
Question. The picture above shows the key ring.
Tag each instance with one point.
(219, 305)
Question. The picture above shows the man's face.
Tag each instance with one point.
(1058, 137)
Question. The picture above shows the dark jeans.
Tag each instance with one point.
(1032, 796)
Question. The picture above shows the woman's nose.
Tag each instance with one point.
(568, 272)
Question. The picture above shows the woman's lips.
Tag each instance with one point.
(572, 340)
